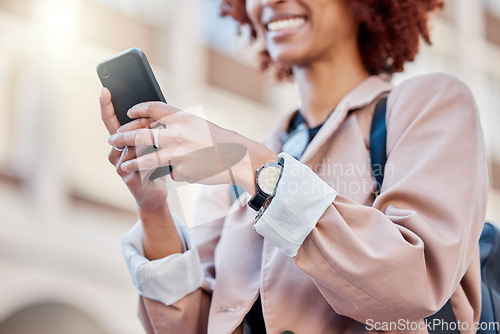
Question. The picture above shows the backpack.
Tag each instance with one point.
(489, 242)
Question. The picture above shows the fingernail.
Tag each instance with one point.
(129, 113)
(111, 139)
(124, 167)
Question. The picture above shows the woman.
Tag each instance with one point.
(324, 255)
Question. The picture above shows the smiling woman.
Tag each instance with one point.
(388, 34)
(315, 250)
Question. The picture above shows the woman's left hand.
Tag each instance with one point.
(198, 150)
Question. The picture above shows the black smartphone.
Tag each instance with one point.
(131, 81)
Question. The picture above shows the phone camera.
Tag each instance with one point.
(104, 72)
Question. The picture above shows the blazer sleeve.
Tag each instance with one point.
(403, 257)
(189, 312)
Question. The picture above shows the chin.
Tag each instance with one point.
(291, 57)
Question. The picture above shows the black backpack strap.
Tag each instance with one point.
(444, 318)
(378, 142)
(443, 321)
(489, 248)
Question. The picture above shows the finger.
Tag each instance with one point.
(117, 157)
(108, 112)
(139, 137)
(114, 156)
(128, 153)
(155, 110)
(134, 179)
(145, 162)
(139, 123)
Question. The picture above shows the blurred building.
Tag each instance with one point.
(63, 208)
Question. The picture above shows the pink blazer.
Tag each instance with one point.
(401, 255)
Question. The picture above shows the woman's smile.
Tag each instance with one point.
(299, 32)
(280, 27)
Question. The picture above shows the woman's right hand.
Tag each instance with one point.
(160, 237)
(150, 195)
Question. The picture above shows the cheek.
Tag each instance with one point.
(253, 9)
(334, 23)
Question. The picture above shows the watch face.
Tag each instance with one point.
(267, 179)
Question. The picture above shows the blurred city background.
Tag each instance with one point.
(63, 208)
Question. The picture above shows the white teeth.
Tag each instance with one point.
(286, 24)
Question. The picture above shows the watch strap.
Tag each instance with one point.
(258, 200)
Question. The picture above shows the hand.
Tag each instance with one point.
(150, 195)
(198, 150)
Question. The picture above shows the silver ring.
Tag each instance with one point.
(156, 143)
(118, 149)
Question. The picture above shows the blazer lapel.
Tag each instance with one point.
(362, 95)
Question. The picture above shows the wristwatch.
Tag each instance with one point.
(267, 179)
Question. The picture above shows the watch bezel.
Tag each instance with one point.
(260, 170)
(259, 174)
(261, 197)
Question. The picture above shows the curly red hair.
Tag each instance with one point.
(389, 32)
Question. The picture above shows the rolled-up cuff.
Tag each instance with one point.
(168, 279)
(302, 197)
